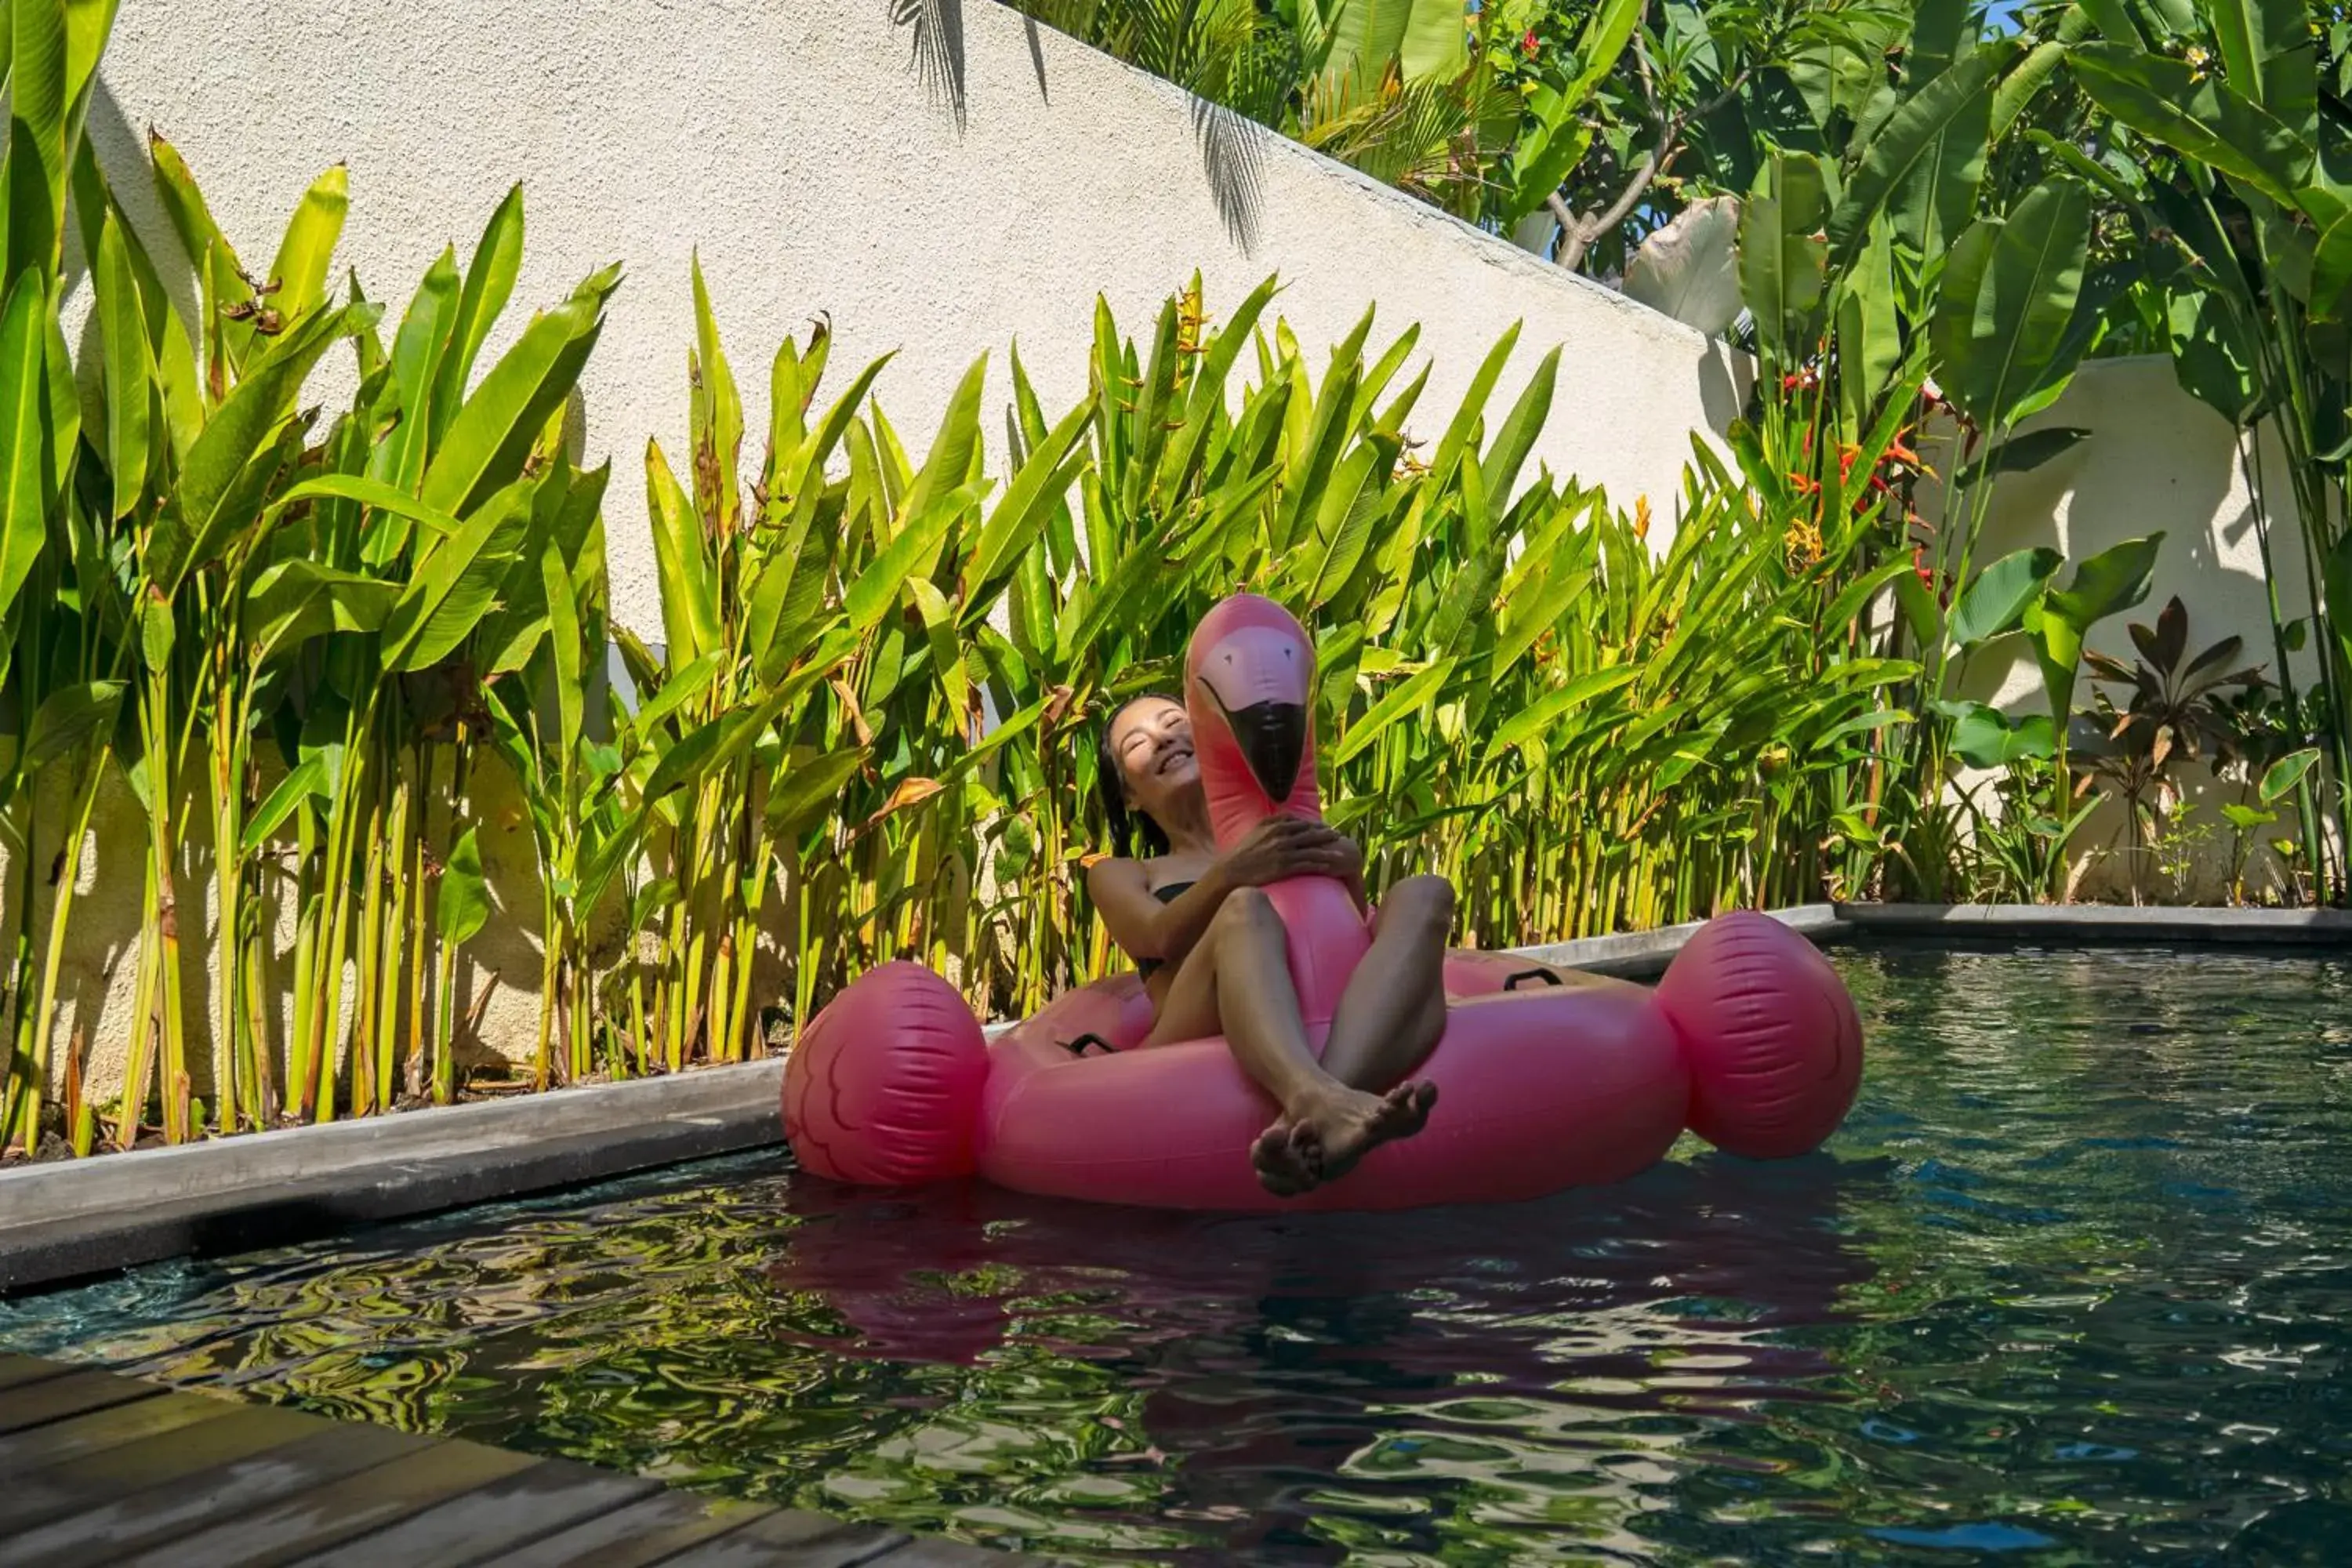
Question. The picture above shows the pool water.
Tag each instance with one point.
(2074, 1284)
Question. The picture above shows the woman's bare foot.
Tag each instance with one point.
(1282, 1167)
(1324, 1140)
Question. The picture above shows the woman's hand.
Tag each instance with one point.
(1282, 847)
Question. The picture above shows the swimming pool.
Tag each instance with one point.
(2074, 1283)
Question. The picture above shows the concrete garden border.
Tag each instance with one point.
(69, 1220)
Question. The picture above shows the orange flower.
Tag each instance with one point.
(1640, 517)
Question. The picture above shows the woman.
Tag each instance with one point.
(1215, 958)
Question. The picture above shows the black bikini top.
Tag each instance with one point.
(1147, 967)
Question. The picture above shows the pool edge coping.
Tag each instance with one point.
(296, 1183)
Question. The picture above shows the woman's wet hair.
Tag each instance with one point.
(1127, 824)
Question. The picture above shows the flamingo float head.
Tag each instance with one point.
(1249, 685)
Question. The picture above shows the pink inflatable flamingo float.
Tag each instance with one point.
(1749, 1039)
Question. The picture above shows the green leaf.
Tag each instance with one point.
(422, 345)
(1870, 330)
(2008, 298)
(369, 493)
(489, 283)
(1552, 141)
(876, 588)
(2023, 85)
(292, 601)
(953, 451)
(457, 580)
(462, 905)
(2246, 818)
(300, 270)
(239, 431)
(1920, 612)
(158, 629)
(496, 428)
(130, 368)
(1535, 721)
(1994, 602)
(563, 636)
(709, 748)
(306, 781)
(2283, 777)
(1410, 696)
(678, 689)
(27, 482)
(1013, 524)
(1780, 269)
(1934, 202)
(1959, 102)
(36, 166)
(2213, 358)
(1985, 737)
(1606, 34)
(68, 719)
(682, 565)
(2268, 50)
(1517, 436)
(2331, 273)
(808, 792)
(719, 428)
(2163, 100)
(1464, 426)
(2109, 583)
(192, 220)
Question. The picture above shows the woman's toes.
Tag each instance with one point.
(1280, 1169)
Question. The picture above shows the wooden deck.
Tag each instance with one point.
(100, 1469)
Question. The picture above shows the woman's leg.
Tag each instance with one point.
(1392, 1012)
(1237, 981)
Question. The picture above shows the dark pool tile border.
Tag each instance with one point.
(65, 1222)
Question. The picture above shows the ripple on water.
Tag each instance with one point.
(2074, 1281)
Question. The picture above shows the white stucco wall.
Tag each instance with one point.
(2156, 459)
(813, 152)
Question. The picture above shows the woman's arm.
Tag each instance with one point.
(1143, 926)
(1276, 849)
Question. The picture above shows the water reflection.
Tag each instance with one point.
(2075, 1281)
(1540, 1366)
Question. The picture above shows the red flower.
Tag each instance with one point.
(1529, 44)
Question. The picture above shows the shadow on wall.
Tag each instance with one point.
(1724, 382)
(937, 29)
(1232, 145)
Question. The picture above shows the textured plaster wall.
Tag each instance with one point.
(937, 191)
(2156, 459)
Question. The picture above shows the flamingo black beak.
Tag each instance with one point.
(1273, 737)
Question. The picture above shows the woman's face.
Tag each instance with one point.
(1151, 741)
